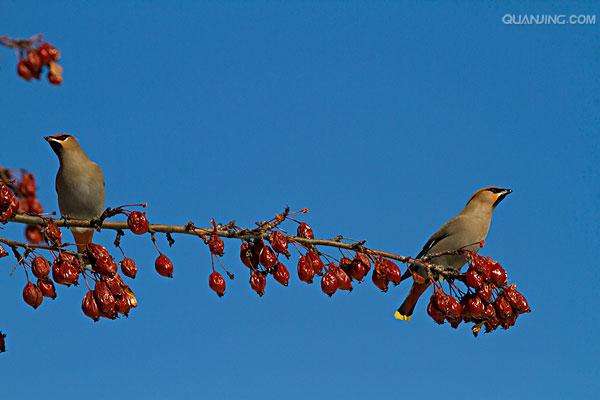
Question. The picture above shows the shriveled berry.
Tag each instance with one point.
(217, 283)
(89, 306)
(248, 256)
(454, 309)
(281, 274)
(344, 281)
(380, 280)
(474, 307)
(498, 275)
(258, 282)
(137, 222)
(305, 231)
(392, 271)
(34, 62)
(128, 267)
(164, 266)
(279, 242)
(55, 79)
(216, 245)
(9, 204)
(40, 267)
(32, 295)
(115, 285)
(267, 257)
(47, 288)
(485, 292)
(315, 261)
(503, 308)
(473, 278)
(3, 252)
(306, 272)
(358, 270)
(65, 269)
(53, 234)
(517, 301)
(122, 305)
(102, 261)
(105, 300)
(329, 283)
(434, 312)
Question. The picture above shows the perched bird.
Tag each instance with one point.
(79, 185)
(465, 231)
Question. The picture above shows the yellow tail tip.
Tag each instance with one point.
(402, 317)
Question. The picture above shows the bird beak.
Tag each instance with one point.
(501, 196)
(49, 139)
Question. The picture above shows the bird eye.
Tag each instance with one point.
(496, 190)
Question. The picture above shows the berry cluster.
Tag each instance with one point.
(489, 300)
(32, 61)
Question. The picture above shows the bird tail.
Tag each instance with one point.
(404, 312)
(82, 237)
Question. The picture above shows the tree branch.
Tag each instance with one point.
(232, 233)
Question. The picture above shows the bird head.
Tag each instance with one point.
(61, 143)
(488, 197)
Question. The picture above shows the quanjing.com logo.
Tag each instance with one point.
(549, 19)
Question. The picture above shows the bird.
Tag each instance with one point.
(79, 185)
(467, 230)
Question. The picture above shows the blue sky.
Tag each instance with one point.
(382, 119)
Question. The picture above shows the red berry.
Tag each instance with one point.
(48, 52)
(32, 295)
(105, 299)
(305, 270)
(498, 275)
(102, 261)
(473, 278)
(344, 281)
(267, 257)
(27, 185)
(442, 300)
(115, 285)
(281, 274)
(47, 288)
(391, 271)
(128, 267)
(517, 301)
(315, 261)
(258, 282)
(34, 62)
(454, 309)
(65, 269)
(40, 267)
(434, 312)
(137, 222)
(54, 79)
(305, 231)
(23, 70)
(279, 242)
(216, 245)
(489, 312)
(329, 283)
(503, 308)
(359, 270)
(90, 306)
(9, 204)
(164, 266)
(35, 207)
(485, 292)
(474, 307)
(53, 234)
(122, 306)
(380, 280)
(248, 256)
(33, 234)
(217, 283)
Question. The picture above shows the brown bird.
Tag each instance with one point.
(465, 231)
(79, 185)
